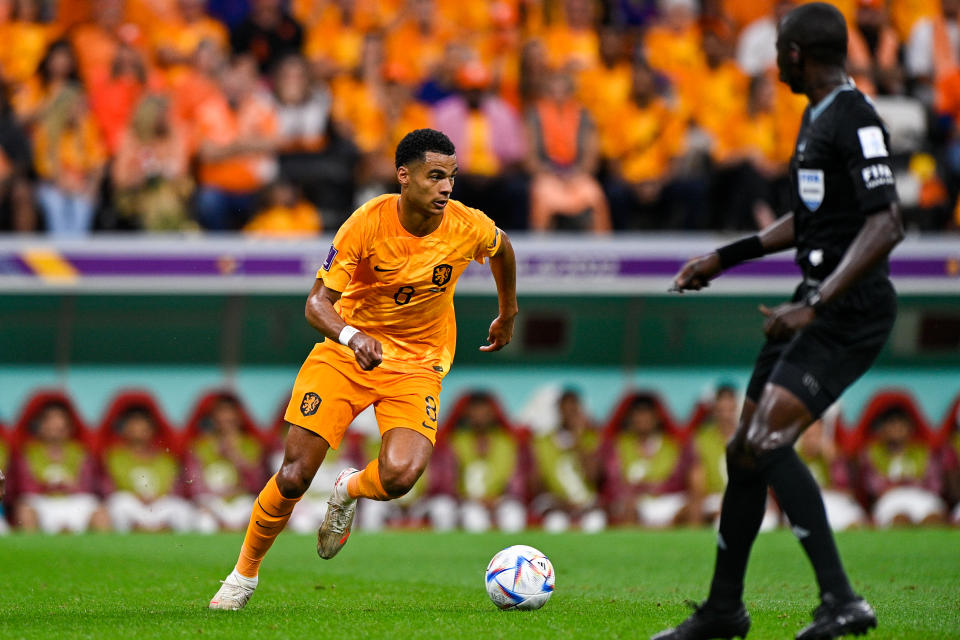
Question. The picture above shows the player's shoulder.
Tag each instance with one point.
(460, 211)
(369, 215)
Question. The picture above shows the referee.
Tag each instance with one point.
(844, 223)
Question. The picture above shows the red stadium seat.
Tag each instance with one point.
(124, 401)
(194, 425)
(701, 412)
(853, 440)
(36, 404)
(456, 412)
(951, 422)
(670, 425)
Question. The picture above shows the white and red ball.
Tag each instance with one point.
(520, 577)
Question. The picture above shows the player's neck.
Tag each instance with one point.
(416, 222)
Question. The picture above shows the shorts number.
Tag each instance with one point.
(431, 408)
(403, 294)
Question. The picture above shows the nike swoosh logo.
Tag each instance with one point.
(276, 526)
(377, 268)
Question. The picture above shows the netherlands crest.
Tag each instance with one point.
(442, 274)
(310, 403)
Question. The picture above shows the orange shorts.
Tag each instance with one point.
(331, 389)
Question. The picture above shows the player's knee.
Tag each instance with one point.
(398, 478)
(293, 480)
(739, 457)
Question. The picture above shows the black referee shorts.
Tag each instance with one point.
(818, 363)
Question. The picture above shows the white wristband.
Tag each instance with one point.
(346, 334)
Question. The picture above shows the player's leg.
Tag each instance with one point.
(403, 456)
(406, 409)
(303, 453)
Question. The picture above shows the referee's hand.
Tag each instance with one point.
(786, 319)
(367, 350)
(697, 273)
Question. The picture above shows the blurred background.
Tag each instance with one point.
(172, 172)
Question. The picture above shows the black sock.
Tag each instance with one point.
(744, 503)
(799, 497)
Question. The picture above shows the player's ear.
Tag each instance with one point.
(403, 175)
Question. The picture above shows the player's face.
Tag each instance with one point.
(427, 185)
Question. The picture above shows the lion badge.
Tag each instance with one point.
(310, 403)
(442, 274)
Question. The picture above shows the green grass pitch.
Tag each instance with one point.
(408, 585)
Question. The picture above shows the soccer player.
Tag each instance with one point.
(844, 223)
(383, 299)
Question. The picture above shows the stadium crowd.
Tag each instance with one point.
(278, 117)
(563, 470)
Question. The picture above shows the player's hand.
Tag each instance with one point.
(368, 351)
(697, 273)
(501, 332)
(786, 319)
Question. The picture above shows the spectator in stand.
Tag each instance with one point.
(143, 484)
(757, 42)
(933, 49)
(645, 469)
(873, 49)
(707, 477)
(642, 142)
(174, 41)
(562, 157)
(313, 154)
(96, 42)
(57, 69)
(901, 476)
(605, 88)
(238, 133)
(268, 34)
(487, 481)
(490, 142)
(418, 38)
(69, 157)
(672, 45)
(114, 97)
(832, 472)
(150, 173)
(441, 83)
(25, 39)
(286, 213)
(335, 33)
(17, 211)
(568, 470)
(57, 479)
(197, 85)
(572, 42)
(225, 467)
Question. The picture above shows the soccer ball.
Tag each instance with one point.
(519, 577)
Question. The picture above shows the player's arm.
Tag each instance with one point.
(323, 316)
(698, 272)
(882, 231)
(503, 265)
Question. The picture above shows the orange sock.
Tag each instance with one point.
(270, 514)
(366, 484)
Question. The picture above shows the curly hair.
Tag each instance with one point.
(416, 144)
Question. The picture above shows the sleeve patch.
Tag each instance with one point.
(331, 256)
(871, 142)
(496, 238)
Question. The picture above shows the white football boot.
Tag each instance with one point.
(341, 509)
(234, 592)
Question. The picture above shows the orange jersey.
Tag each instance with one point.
(397, 287)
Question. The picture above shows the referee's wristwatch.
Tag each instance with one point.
(814, 300)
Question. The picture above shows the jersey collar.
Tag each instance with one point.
(828, 100)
